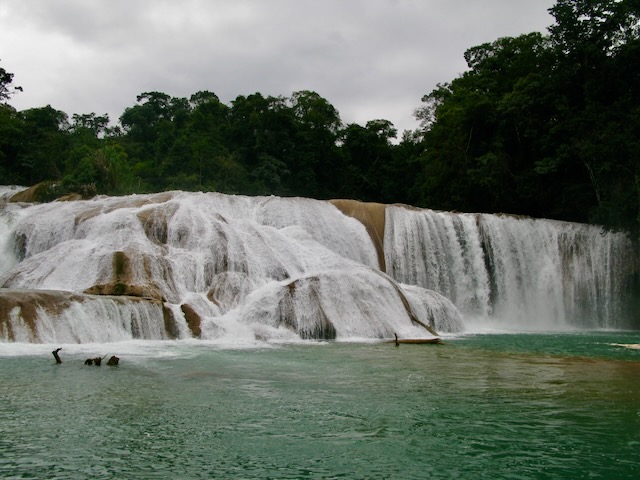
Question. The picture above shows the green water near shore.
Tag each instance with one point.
(483, 407)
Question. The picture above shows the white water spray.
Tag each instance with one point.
(240, 269)
(514, 273)
(240, 266)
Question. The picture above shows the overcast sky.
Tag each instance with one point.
(370, 59)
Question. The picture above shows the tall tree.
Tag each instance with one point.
(45, 143)
(317, 127)
(10, 131)
(479, 132)
(7, 90)
(151, 128)
(11, 140)
(261, 133)
(368, 168)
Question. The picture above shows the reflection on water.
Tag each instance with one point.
(490, 406)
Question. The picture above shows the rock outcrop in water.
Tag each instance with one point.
(213, 266)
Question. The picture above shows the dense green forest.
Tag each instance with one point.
(546, 125)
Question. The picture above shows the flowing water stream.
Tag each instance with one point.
(535, 406)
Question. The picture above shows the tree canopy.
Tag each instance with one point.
(546, 125)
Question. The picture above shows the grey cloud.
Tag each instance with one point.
(369, 58)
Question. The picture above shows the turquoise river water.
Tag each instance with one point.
(517, 406)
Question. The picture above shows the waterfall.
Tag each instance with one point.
(85, 318)
(226, 268)
(8, 217)
(212, 266)
(510, 272)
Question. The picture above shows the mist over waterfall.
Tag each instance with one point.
(237, 269)
(516, 273)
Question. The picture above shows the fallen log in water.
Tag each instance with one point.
(398, 341)
(417, 340)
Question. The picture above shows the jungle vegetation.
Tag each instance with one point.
(543, 124)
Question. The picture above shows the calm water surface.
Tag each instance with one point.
(480, 407)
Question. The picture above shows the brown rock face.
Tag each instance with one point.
(50, 191)
(155, 222)
(192, 318)
(170, 322)
(24, 304)
(120, 288)
(372, 216)
(228, 289)
(35, 193)
(318, 326)
(122, 283)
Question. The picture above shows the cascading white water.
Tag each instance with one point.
(246, 267)
(514, 273)
(8, 217)
(90, 319)
(235, 269)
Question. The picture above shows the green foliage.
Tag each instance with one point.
(106, 168)
(44, 143)
(369, 170)
(541, 125)
(10, 145)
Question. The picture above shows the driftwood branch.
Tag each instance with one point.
(97, 361)
(56, 356)
(398, 341)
